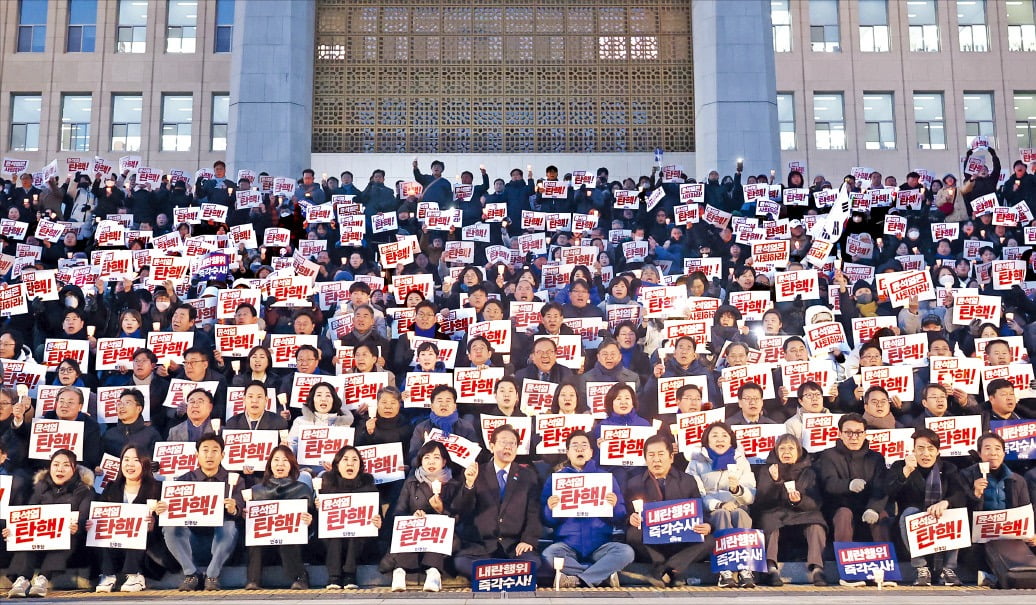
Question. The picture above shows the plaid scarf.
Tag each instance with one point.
(933, 485)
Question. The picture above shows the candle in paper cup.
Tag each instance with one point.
(236, 365)
(152, 504)
(282, 399)
(283, 434)
(22, 390)
(790, 486)
(214, 423)
(262, 335)
(73, 519)
(638, 506)
(879, 576)
(436, 487)
(232, 478)
(983, 467)
(90, 330)
(247, 495)
(318, 482)
(156, 326)
(675, 429)
(731, 468)
(559, 563)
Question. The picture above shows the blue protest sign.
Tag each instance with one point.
(672, 521)
(503, 575)
(1019, 438)
(739, 550)
(858, 560)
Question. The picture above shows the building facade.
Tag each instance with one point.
(355, 83)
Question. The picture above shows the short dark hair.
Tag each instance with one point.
(749, 386)
(210, 437)
(577, 433)
(443, 388)
(929, 434)
(293, 463)
(507, 428)
(850, 417)
(192, 313)
(135, 394)
(996, 384)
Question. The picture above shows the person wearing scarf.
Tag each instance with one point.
(620, 403)
(429, 490)
(281, 482)
(877, 409)
(779, 504)
(609, 366)
(727, 486)
(346, 476)
(130, 325)
(442, 415)
(921, 483)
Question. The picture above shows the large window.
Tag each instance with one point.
(131, 33)
(929, 120)
(126, 118)
(924, 28)
(786, 119)
(1025, 118)
(552, 77)
(32, 26)
(220, 120)
(780, 17)
(874, 26)
(823, 26)
(82, 26)
(1021, 25)
(829, 120)
(182, 26)
(224, 39)
(971, 25)
(879, 121)
(177, 112)
(978, 115)
(75, 122)
(25, 122)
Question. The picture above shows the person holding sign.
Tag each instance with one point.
(61, 483)
(661, 482)
(259, 369)
(852, 480)
(500, 499)
(224, 538)
(135, 484)
(788, 495)
(255, 416)
(69, 406)
(727, 485)
(323, 408)
(142, 375)
(199, 420)
(281, 482)
(131, 429)
(346, 476)
(922, 482)
(430, 490)
(442, 415)
(990, 485)
(585, 543)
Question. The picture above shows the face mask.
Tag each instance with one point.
(913, 234)
(946, 281)
(71, 302)
(162, 305)
(864, 298)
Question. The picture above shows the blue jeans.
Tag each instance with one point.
(607, 559)
(183, 541)
(915, 562)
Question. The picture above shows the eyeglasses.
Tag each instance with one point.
(66, 370)
(195, 362)
(854, 434)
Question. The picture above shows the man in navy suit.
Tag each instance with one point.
(504, 497)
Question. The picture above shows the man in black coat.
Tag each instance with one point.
(68, 406)
(660, 482)
(504, 498)
(852, 481)
(255, 415)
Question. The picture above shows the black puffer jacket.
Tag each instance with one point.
(772, 506)
(77, 492)
(838, 466)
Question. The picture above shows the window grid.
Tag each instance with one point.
(131, 31)
(177, 115)
(1025, 118)
(75, 122)
(929, 120)
(432, 78)
(923, 26)
(978, 115)
(126, 120)
(25, 122)
(879, 122)
(82, 26)
(223, 41)
(1021, 26)
(32, 26)
(786, 120)
(181, 27)
(780, 17)
(829, 121)
(220, 122)
(971, 26)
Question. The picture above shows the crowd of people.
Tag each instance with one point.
(465, 322)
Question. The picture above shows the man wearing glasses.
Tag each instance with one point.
(68, 406)
(196, 369)
(852, 478)
(811, 401)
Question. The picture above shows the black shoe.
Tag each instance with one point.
(747, 579)
(300, 584)
(191, 583)
(349, 582)
(252, 586)
(212, 583)
(775, 578)
(816, 576)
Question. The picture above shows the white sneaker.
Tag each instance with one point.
(333, 586)
(39, 586)
(134, 583)
(432, 580)
(613, 580)
(19, 588)
(398, 579)
(105, 584)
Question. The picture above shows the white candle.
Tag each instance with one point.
(983, 467)
(790, 486)
(282, 399)
(559, 563)
(232, 478)
(283, 434)
(214, 423)
(90, 330)
(246, 494)
(236, 365)
(638, 506)
(156, 326)
(152, 504)
(318, 482)
(436, 487)
(22, 390)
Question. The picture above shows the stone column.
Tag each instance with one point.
(735, 88)
(271, 88)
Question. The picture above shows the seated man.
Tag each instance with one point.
(500, 500)
(255, 415)
(181, 540)
(750, 403)
(660, 482)
(852, 482)
(199, 421)
(922, 482)
(585, 543)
